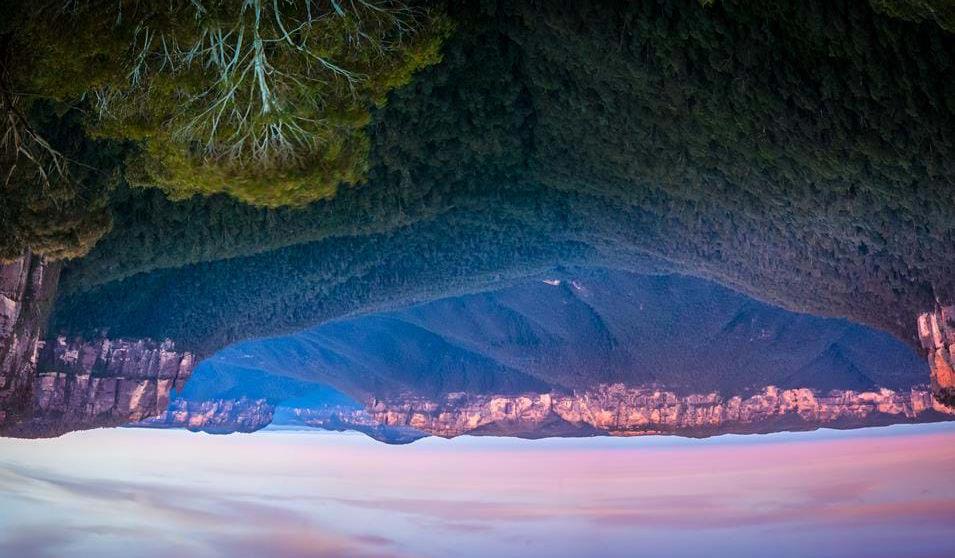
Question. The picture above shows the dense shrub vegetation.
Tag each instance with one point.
(265, 101)
(55, 200)
(54, 181)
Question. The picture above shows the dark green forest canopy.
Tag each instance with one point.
(941, 12)
(803, 153)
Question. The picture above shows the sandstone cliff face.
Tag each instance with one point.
(227, 416)
(91, 384)
(937, 335)
(618, 410)
(606, 410)
(27, 289)
(215, 417)
(48, 388)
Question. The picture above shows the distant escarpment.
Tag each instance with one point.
(619, 410)
(228, 416)
(223, 416)
(605, 410)
(343, 418)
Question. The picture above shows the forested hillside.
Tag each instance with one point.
(802, 153)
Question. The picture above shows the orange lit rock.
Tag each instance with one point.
(937, 336)
(620, 410)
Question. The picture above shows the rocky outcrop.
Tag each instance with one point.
(937, 336)
(81, 385)
(226, 416)
(607, 410)
(340, 418)
(27, 290)
(618, 410)
(48, 388)
(121, 358)
(215, 417)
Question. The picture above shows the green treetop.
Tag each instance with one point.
(266, 100)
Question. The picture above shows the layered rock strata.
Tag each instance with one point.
(227, 416)
(223, 416)
(937, 336)
(607, 410)
(48, 388)
(618, 410)
(92, 384)
(27, 290)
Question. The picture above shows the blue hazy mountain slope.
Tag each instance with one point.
(569, 330)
